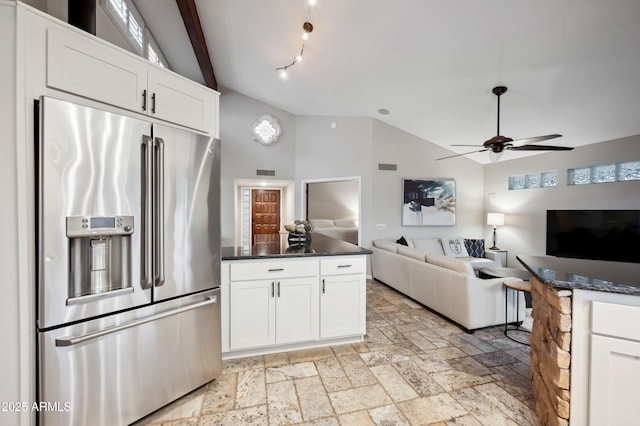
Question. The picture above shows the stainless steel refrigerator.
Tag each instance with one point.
(128, 236)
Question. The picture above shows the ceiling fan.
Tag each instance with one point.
(497, 144)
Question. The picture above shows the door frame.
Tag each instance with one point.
(243, 216)
(303, 196)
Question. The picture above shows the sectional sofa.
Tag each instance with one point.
(447, 285)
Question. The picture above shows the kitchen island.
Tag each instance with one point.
(585, 343)
(283, 296)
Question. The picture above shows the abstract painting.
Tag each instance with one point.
(429, 202)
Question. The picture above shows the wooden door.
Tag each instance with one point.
(265, 216)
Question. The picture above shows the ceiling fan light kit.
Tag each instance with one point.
(497, 144)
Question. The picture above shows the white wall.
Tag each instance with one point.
(242, 156)
(344, 150)
(335, 147)
(524, 231)
(10, 307)
(415, 158)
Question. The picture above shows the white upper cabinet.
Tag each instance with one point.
(83, 65)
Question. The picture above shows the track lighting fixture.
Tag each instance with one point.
(307, 28)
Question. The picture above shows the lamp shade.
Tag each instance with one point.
(495, 219)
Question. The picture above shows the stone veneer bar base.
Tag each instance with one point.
(550, 341)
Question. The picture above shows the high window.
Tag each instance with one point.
(130, 23)
(602, 173)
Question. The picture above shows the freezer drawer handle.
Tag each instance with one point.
(71, 341)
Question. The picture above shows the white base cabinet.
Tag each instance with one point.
(268, 312)
(614, 373)
(273, 305)
(342, 297)
(605, 358)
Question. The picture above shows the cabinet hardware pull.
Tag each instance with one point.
(276, 270)
(323, 286)
(273, 294)
(144, 100)
(278, 288)
(153, 103)
(344, 266)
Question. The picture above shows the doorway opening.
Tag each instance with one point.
(332, 205)
(265, 220)
(262, 207)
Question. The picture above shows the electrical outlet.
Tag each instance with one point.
(381, 226)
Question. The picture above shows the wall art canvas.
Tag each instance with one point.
(429, 202)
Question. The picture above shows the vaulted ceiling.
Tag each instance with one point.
(572, 67)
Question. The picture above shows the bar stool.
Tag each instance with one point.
(515, 285)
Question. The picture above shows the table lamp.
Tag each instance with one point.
(495, 219)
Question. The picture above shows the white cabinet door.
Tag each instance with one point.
(615, 381)
(342, 306)
(80, 65)
(296, 309)
(252, 311)
(181, 101)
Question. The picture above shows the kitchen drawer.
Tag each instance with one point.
(343, 265)
(616, 320)
(244, 271)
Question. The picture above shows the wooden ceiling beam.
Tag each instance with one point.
(191, 21)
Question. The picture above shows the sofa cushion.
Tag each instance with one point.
(345, 223)
(402, 241)
(322, 223)
(386, 245)
(411, 252)
(454, 247)
(475, 248)
(429, 245)
(449, 263)
(479, 262)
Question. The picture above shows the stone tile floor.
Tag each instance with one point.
(413, 368)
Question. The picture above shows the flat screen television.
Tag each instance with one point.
(594, 234)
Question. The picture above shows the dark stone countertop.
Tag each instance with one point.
(585, 274)
(320, 245)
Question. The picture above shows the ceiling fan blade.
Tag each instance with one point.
(477, 146)
(540, 148)
(458, 155)
(536, 139)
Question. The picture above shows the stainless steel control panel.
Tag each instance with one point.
(88, 226)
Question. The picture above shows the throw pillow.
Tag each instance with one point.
(454, 247)
(345, 223)
(429, 245)
(402, 241)
(475, 248)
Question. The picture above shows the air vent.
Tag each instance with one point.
(391, 167)
(260, 172)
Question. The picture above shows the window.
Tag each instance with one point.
(126, 17)
(534, 180)
(602, 173)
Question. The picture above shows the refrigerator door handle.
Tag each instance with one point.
(159, 219)
(75, 340)
(147, 214)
